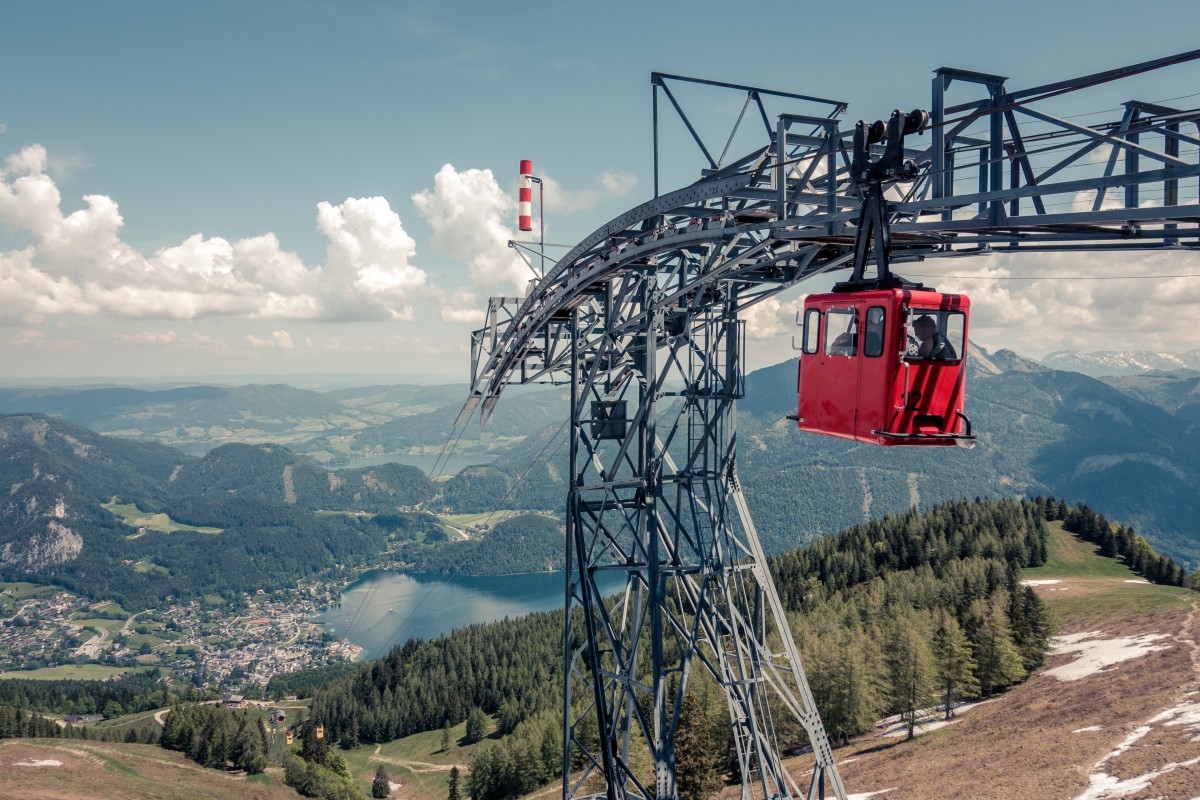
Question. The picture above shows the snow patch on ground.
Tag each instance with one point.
(866, 795)
(1094, 655)
(35, 762)
(930, 720)
(1088, 729)
(1103, 786)
(1040, 582)
(1185, 714)
(1136, 580)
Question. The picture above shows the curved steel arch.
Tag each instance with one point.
(641, 321)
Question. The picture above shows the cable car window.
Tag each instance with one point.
(812, 329)
(935, 334)
(841, 332)
(873, 341)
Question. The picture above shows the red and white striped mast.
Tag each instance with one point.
(525, 205)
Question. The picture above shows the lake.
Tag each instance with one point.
(400, 606)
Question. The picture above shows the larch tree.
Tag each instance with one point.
(910, 667)
(954, 664)
(476, 725)
(998, 662)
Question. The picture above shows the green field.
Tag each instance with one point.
(22, 590)
(146, 565)
(73, 672)
(1071, 557)
(133, 516)
(470, 520)
(113, 626)
(417, 761)
(14, 595)
(1098, 588)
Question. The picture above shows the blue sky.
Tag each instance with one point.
(234, 121)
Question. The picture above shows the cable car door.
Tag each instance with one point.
(837, 411)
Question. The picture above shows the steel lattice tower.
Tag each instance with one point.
(642, 322)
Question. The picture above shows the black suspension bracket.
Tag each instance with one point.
(873, 235)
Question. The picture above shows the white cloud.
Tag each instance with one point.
(280, 340)
(368, 258)
(470, 214)
(78, 264)
(30, 337)
(462, 306)
(148, 337)
(772, 317)
(1057, 303)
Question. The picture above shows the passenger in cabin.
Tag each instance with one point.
(933, 345)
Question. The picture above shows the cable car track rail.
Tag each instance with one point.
(641, 320)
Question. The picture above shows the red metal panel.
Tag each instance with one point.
(892, 399)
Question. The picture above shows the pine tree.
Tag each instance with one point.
(695, 765)
(446, 737)
(910, 668)
(954, 664)
(452, 786)
(381, 785)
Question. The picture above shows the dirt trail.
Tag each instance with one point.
(414, 766)
(1187, 635)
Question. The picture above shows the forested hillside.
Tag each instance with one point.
(83, 511)
(274, 474)
(961, 556)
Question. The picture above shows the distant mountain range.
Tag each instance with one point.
(1129, 446)
(1124, 362)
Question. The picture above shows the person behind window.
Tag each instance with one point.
(846, 344)
(932, 344)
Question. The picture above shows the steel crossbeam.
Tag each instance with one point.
(641, 321)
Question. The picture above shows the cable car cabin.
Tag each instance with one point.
(885, 366)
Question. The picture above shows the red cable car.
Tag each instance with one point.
(885, 366)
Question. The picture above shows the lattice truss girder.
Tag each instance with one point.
(643, 312)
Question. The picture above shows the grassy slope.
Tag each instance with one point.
(129, 771)
(1043, 738)
(417, 761)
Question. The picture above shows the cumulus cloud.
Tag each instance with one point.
(368, 257)
(78, 264)
(470, 215)
(462, 306)
(471, 218)
(772, 317)
(1037, 303)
